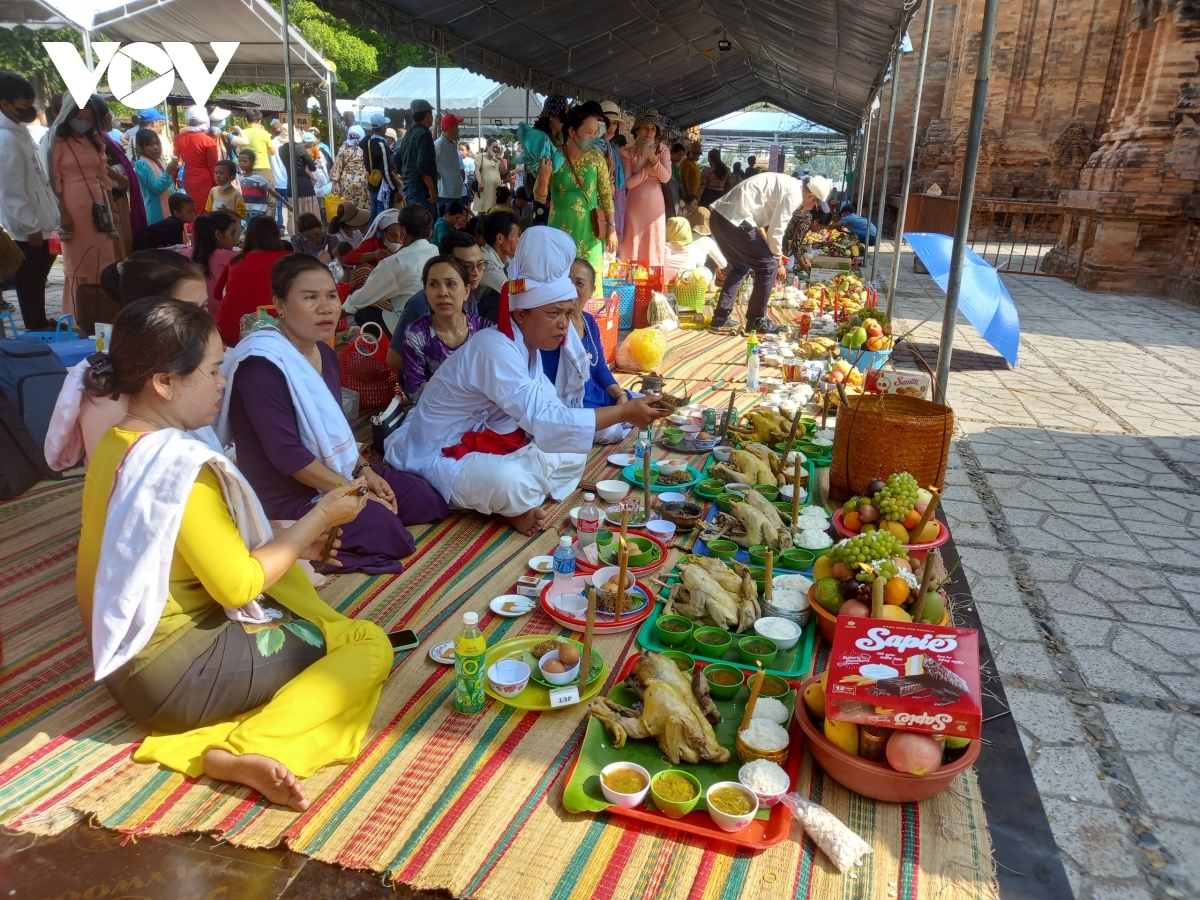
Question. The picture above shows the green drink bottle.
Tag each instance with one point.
(470, 648)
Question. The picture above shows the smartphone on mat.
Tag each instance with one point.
(404, 639)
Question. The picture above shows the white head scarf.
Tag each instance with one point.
(197, 118)
(382, 221)
(539, 272)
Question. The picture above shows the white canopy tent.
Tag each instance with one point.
(463, 93)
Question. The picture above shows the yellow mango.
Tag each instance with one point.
(822, 568)
(814, 699)
(843, 734)
(895, 613)
(898, 530)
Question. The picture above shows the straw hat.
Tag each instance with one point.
(700, 225)
(613, 112)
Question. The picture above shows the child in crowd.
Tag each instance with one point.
(156, 183)
(502, 197)
(226, 195)
(255, 188)
(312, 239)
(168, 232)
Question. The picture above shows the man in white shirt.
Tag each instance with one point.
(397, 277)
(28, 208)
(490, 432)
(748, 224)
(501, 231)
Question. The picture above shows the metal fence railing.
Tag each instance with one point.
(1028, 237)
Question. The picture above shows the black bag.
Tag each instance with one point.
(384, 423)
(102, 218)
(22, 463)
(31, 375)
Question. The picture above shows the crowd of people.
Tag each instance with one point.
(223, 478)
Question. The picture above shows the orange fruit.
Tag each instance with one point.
(911, 519)
(852, 521)
(896, 591)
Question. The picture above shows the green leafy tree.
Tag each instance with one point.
(21, 51)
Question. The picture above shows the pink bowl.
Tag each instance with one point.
(916, 552)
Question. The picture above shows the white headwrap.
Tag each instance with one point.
(196, 118)
(539, 273)
(382, 221)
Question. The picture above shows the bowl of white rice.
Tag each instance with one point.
(768, 780)
(763, 739)
(771, 709)
(812, 538)
(789, 602)
(783, 632)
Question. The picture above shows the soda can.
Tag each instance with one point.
(708, 421)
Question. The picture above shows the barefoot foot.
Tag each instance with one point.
(529, 522)
(269, 777)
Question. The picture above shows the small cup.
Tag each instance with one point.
(665, 626)
(661, 529)
(757, 649)
(723, 549)
(616, 798)
(508, 676)
(676, 809)
(722, 453)
(735, 676)
(673, 435)
(726, 821)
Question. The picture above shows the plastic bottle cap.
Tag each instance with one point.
(470, 618)
(565, 541)
(589, 498)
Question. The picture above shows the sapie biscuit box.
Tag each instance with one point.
(913, 677)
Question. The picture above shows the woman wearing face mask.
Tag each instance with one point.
(349, 178)
(647, 163)
(489, 170)
(80, 178)
(214, 245)
(581, 186)
(245, 285)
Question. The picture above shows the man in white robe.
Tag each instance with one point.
(493, 388)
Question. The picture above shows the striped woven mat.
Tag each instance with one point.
(437, 800)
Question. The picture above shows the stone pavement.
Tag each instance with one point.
(1074, 498)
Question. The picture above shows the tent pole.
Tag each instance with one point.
(479, 119)
(906, 186)
(289, 131)
(87, 51)
(887, 159)
(437, 78)
(863, 153)
(966, 195)
(329, 111)
(874, 170)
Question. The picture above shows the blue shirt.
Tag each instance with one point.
(595, 393)
(858, 226)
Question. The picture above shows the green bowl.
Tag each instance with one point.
(755, 649)
(797, 558)
(758, 554)
(722, 549)
(760, 579)
(768, 490)
(784, 507)
(673, 809)
(642, 551)
(726, 500)
(678, 656)
(713, 650)
(673, 435)
(774, 686)
(710, 488)
(723, 691)
(674, 638)
(603, 536)
(810, 425)
(637, 475)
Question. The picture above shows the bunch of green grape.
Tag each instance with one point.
(867, 547)
(879, 567)
(898, 497)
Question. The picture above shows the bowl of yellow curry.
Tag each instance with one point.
(624, 784)
(731, 804)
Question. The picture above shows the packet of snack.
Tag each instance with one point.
(844, 848)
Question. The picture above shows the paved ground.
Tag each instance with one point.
(1071, 498)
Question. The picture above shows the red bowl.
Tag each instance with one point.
(916, 552)
(585, 567)
(827, 621)
(876, 780)
(601, 626)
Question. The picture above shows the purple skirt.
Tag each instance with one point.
(619, 211)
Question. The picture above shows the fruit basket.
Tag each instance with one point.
(877, 780)
(827, 621)
(916, 552)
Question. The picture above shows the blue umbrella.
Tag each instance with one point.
(984, 299)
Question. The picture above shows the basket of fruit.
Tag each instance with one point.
(866, 342)
(892, 766)
(897, 506)
(879, 433)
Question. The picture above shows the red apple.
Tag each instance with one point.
(916, 754)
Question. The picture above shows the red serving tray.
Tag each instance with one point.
(628, 620)
(759, 834)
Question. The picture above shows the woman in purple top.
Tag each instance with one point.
(429, 341)
(265, 424)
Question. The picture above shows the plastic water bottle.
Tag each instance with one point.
(752, 371)
(470, 649)
(642, 447)
(564, 560)
(589, 521)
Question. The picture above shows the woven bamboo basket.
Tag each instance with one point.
(879, 434)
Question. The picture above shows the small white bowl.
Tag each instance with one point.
(557, 678)
(691, 430)
(625, 801)
(661, 529)
(677, 419)
(736, 487)
(785, 493)
(725, 821)
(764, 800)
(612, 491)
(602, 576)
(722, 453)
(573, 605)
(671, 467)
(671, 497)
(783, 643)
(508, 676)
(575, 515)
